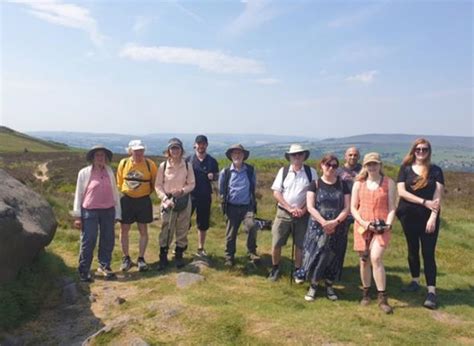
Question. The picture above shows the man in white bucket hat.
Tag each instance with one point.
(136, 180)
(289, 190)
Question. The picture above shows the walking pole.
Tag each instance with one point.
(169, 227)
(292, 251)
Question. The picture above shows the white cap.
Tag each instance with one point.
(135, 144)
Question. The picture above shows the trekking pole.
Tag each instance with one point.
(169, 227)
(292, 251)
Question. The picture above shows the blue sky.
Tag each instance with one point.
(306, 68)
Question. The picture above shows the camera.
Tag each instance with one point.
(379, 226)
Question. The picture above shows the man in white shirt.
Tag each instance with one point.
(289, 190)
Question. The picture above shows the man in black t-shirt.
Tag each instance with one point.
(206, 170)
(351, 166)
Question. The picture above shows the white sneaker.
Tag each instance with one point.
(311, 295)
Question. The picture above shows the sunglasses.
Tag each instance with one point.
(422, 150)
(334, 165)
(297, 154)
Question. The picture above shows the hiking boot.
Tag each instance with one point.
(179, 257)
(85, 277)
(106, 272)
(163, 263)
(299, 275)
(365, 296)
(201, 253)
(383, 303)
(311, 295)
(126, 264)
(413, 286)
(253, 257)
(330, 293)
(430, 301)
(274, 274)
(142, 266)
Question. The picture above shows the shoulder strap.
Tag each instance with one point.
(250, 174)
(307, 170)
(226, 182)
(286, 169)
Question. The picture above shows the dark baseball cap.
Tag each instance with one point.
(200, 139)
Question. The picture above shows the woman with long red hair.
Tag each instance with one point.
(420, 184)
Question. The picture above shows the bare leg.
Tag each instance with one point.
(124, 230)
(201, 239)
(365, 273)
(376, 255)
(143, 229)
(276, 255)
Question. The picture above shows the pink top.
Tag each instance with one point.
(98, 193)
(373, 204)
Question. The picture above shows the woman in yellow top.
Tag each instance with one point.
(174, 183)
(135, 179)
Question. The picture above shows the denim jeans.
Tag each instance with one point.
(92, 221)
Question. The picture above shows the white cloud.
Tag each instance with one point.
(68, 15)
(267, 81)
(356, 17)
(256, 13)
(365, 77)
(208, 60)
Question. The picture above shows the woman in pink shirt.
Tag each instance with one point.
(96, 206)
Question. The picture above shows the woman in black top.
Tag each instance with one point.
(420, 185)
(326, 238)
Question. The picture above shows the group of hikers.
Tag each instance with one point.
(316, 211)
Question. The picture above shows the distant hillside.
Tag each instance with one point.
(156, 142)
(13, 141)
(450, 152)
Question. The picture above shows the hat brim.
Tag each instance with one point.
(229, 151)
(306, 154)
(90, 154)
(370, 161)
(141, 147)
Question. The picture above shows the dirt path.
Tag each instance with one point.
(41, 172)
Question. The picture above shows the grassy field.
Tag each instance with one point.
(12, 141)
(239, 305)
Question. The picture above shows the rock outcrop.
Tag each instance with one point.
(27, 225)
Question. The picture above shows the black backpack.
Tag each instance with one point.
(286, 169)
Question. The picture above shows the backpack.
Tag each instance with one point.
(152, 188)
(286, 169)
(250, 174)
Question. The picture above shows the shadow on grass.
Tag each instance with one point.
(48, 293)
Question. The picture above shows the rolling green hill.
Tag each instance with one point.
(12, 141)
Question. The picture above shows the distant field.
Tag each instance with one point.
(239, 306)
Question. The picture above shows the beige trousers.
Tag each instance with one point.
(175, 223)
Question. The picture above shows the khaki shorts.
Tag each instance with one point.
(281, 228)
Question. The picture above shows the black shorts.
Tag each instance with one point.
(202, 205)
(136, 209)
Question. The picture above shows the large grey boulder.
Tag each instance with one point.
(27, 225)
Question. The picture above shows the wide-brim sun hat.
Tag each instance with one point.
(297, 148)
(237, 147)
(372, 157)
(94, 149)
(135, 144)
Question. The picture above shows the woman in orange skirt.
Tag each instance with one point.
(373, 208)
